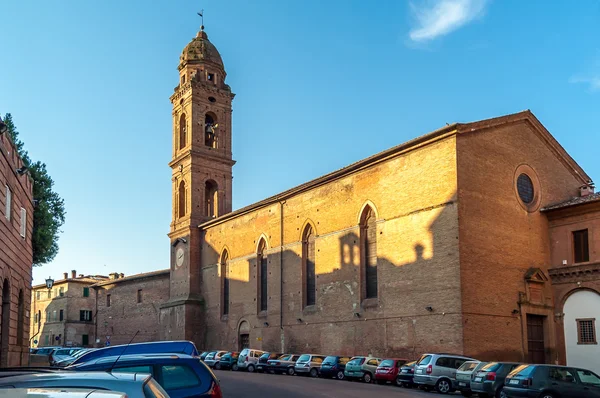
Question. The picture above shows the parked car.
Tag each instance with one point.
(135, 385)
(179, 374)
(261, 366)
(59, 393)
(406, 375)
(464, 375)
(213, 358)
(388, 370)
(283, 364)
(334, 366)
(69, 360)
(60, 354)
(248, 359)
(438, 371)
(490, 379)
(309, 364)
(228, 361)
(154, 347)
(551, 381)
(41, 357)
(361, 368)
(204, 354)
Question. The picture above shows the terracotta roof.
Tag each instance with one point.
(448, 130)
(580, 200)
(134, 277)
(90, 279)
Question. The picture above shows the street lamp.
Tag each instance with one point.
(49, 283)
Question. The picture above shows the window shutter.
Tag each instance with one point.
(23, 222)
(8, 202)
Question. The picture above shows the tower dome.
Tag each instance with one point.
(200, 50)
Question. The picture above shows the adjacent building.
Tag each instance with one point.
(427, 246)
(16, 255)
(65, 314)
(96, 310)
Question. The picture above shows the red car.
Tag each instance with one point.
(388, 370)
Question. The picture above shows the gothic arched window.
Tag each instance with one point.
(261, 267)
(182, 131)
(182, 195)
(225, 279)
(211, 198)
(368, 249)
(308, 266)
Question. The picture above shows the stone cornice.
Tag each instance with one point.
(210, 154)
(564, 273)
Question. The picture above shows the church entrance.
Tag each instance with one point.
(535, 339)
(244, 335)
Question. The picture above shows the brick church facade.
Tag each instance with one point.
(437, 244)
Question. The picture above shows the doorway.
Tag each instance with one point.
(535, 339)
(244, 341)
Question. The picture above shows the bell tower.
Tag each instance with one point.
(201, 167)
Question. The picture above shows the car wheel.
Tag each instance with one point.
(443, 386)
(314, 372)
(398, 383)
(218, 365)
(339, 375)
(251, 368)
(500, 393)
(367, 378)
(546, 395)
(234, 367)
(291, 371)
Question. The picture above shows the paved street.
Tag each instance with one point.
(243, 384)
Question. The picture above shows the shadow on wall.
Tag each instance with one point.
(416, 308)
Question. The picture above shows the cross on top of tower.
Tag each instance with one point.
(201, 14)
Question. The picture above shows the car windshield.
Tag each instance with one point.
(284, 357)
(245, 351)
(330, 361)
(467, 366)
(409, 364)
(304, 358)
(387, 363)
(522, 371)
(588, 377)
(491, 367)
(265, 355)
(357, 361)
(425, 359)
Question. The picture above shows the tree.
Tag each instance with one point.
(49, 209)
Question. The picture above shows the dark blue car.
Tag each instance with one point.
(154, 347)
(179, 374)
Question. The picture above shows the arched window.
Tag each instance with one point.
(308, 262)
(5, 328)
(182, 131)
(210, 130)
(368, 249)
(225, 279)
(211, 198)
(20, 318)
(182, 195)
(261, 267)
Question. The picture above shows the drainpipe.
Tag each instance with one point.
(281, 203)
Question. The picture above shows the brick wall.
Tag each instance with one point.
(126, 315)
(500, 240)
(15, 257)
(414, 197)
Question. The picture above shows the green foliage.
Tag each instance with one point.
(49, 213)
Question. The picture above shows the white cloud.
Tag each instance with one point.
(593, 82)
(440, 17)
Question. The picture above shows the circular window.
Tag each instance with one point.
(525, 188)
(212, 99)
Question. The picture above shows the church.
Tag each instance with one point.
(441, 243)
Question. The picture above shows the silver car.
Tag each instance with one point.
(214, 357)
(59, 393)
(438, 371)
(309, 364)
(464, 375)
(248, 359)
(135, 385)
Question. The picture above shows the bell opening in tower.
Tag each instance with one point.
(211, 199)
(210, 130)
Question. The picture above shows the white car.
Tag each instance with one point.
(59, 393)
(214, 357)
(134, 385)
(248, 359)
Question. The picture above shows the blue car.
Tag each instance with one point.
(154, 347)
(179, 375)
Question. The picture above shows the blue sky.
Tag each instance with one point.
(319, 84)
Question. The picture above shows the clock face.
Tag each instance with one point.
(179, 257)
